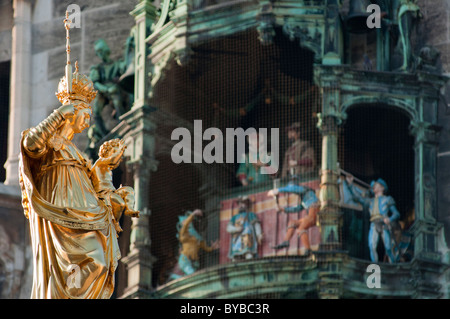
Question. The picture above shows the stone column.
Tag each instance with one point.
(330, 256)
(144, 14)
(20, 92)
(330, 218)
(180, 17)
(426, 134)
(384, 39)
(330, 215)
(426, 226)
(428, 266)
(139, 260)
(140, 138)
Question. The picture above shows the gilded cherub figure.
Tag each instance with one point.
(122, 199)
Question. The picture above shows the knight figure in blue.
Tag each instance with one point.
(383, 213)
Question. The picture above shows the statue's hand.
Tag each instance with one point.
(67, 111)
(122, 145)
(197, 212)
(260, 238)
(349, 179)
(215, 244)
(272, 192)
(112, 89)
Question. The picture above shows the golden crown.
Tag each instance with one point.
(74, 86)
(82, 88)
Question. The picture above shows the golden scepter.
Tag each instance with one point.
(67, 22)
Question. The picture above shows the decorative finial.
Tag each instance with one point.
(74, 86)
(76, 71)
(67, 22)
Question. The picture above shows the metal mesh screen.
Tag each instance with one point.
(237, 82)
(232, 82)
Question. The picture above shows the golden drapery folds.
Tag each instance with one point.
(74, 242)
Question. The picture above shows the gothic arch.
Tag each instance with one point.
(398, 104)
(377, 142)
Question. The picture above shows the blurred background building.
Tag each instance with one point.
(372, 102)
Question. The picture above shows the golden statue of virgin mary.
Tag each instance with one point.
(73, 230)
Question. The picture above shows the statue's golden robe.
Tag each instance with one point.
(74, 242)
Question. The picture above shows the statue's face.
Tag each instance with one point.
(292, 134)
(254, 139)
(102, 50)
(242, 206)
(378, 188)
(81, 120)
